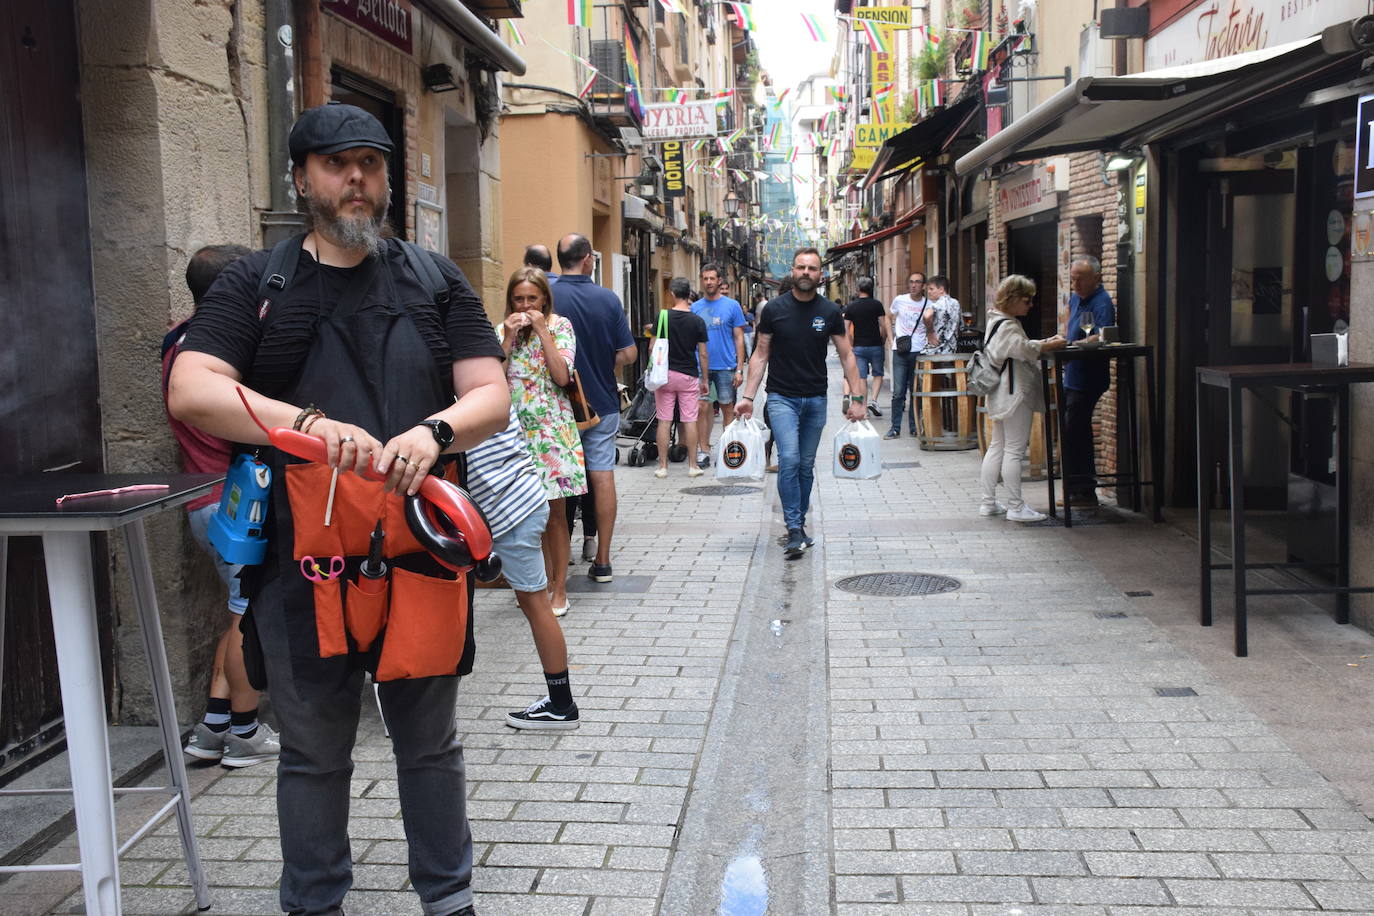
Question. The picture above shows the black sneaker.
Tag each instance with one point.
(795, 547)
(892, 434)
(599, 573)
(806, 540)
(873, 410)
(541, 714)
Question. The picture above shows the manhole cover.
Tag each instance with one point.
(1175, 692)
(897, 585)
(720, 489)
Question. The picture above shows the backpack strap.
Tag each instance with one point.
(1011, 387)
(421, 263)
(281, 268)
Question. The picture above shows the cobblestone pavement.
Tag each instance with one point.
(1027, 744)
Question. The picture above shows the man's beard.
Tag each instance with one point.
(365, 232)
(805, 284)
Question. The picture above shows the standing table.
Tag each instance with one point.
(28, 506)
(1126, 394)
(1235, 380)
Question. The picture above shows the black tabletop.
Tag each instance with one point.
(1285, 374)
(29, 503)
(1106, 351)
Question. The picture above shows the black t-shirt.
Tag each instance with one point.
(685, 331)
(800, 333)
(227, 324)
(864, 313)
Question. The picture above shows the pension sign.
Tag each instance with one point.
(877, 134)
(897, 17)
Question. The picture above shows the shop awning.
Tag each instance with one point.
(463, 21)
(872, 238)
(1125, 112)
(924, 140)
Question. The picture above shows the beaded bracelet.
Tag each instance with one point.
(306, 412)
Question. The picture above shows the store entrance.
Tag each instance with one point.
(1032, 251)
(380, 102)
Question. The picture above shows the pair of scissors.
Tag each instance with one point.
(312, 571)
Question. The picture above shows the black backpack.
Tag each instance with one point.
(286, 254)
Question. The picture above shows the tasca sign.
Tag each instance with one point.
(1025, 192)
(390, 20)
(677, 122)
(1219, 28)
(877, 134)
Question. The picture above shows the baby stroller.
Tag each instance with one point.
(639, 424)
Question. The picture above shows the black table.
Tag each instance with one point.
(28, 506)
(1235, 380)
(1125, 394)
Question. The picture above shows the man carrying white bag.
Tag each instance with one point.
(740, 451)
(856, 451)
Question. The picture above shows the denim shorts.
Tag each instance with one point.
(521, 553)
(870, 360)
(722, 386)
(229, 572)
(598, 443)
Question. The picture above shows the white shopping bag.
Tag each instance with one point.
(656, 376)
(856, 451)
(739, 453)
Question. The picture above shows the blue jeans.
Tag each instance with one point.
(903, 376)
(797, 425)
(869, 360)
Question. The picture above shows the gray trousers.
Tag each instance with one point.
(313, 776)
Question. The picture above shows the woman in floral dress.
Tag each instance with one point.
(540, 348)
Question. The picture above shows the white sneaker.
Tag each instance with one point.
(561, 610)
(1025, 513)
(988, 511)
(660, 473)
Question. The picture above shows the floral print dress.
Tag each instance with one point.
(544, 411)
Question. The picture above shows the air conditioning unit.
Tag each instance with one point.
(631, 138)
(608, 57)
(651, 189)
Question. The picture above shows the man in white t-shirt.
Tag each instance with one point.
(940, 323)
(908, 336)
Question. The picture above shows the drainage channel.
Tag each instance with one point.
(756, 838)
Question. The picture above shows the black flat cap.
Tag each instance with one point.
(335, 127)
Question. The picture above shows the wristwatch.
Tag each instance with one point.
(443, 433)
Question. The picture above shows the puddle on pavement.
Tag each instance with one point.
(744, 889)
(777, 626)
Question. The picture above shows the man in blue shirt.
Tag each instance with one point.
(724, 350)
(1084, 380)
(604, 344)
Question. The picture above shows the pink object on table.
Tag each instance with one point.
(115, 492)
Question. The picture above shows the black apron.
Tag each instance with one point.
(368, 366)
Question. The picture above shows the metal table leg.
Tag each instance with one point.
(1204, 499)
(150, 623)
(1236, 427)
(1156, 437)
(1049, 431)
(1063, 466)
(67, 557)
(1343, 502)
(1132, 429)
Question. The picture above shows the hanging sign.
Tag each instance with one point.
(390, 20)
(1364, 147)
(674, 179)
(675, 121)
(876, 135)
(894, 17)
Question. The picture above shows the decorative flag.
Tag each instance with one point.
(813, 26)
(744, 15)
(579, 13)
(782, 97)
(836, 92)
(515, 34)
(792, 154)
(587, 89)
(929, 94)
(927, 36)
(634, 100)
(671, 6)
(982, 49)
(873, 33)
(699, 145)
(880, 104)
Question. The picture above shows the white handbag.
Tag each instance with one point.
(656, 376)
(740, 451)
(856, 451)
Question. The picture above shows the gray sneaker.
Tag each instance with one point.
(588, 550)
(247, 752)
(205, 743)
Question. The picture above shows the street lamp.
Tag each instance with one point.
(731, 204)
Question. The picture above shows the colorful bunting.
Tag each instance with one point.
(516, 35)
(591, 81)
(929, 94)
(671, 6)
(927, 36)
(880, 104)
(632, 66)
(875, 36)
(579, 13)
(836, 92)
(982, 50)
(813, 26)
(744, 15)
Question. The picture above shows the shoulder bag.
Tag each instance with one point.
(983, 376)
(582, 410)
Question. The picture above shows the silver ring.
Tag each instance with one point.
(403, 458)
(345, 439)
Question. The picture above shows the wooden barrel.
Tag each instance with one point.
(1035, 454)
(946, 412)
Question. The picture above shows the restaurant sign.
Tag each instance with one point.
(1220, 28)
(393, 21)
(875, 135)
(674, 175)
(1026, 192)
(679, 121)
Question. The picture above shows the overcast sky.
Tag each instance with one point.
(786, 50)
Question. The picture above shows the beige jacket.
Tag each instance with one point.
(1011, 343)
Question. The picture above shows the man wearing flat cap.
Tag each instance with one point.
(338, 334)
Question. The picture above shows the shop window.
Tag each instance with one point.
(382, 104)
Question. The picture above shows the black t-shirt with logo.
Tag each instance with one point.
(685, 331)
(864, 313)
(800, 333)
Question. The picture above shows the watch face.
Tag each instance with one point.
(443, 433)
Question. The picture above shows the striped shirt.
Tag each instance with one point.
(503, 480)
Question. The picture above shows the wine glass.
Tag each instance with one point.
(1086, 321)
